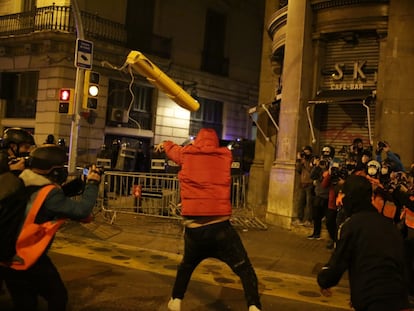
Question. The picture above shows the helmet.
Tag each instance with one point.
(328, 151)
(17, 136)
(49, 160)
(373, 168)
(374, 163)
(47, 157)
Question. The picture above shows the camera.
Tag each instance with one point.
(381, 145)
(337, 173)
(15, 160)
(99, 170)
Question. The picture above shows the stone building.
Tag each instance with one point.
(201, 45)
(331, 71)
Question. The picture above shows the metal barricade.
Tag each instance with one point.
(153, 194)
(158, 194)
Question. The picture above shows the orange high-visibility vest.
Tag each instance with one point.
(34, 238)
(389, 210)
(409, 218)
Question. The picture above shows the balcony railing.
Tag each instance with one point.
(60, 18)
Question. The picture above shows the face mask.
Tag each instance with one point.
(372, 171)
(384, 170)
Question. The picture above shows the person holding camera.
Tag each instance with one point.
(304, 163)
(320, 177)
(394, 160)
(16, 143)
(46, 166)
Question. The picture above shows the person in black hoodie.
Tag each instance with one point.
(370, 247)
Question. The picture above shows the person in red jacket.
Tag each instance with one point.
(205, 182)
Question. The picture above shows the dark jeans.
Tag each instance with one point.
(306, 194)
(219, 241)
(42, 279)
(331, 226)
(320, 205)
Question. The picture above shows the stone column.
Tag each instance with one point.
(297, 83)
(264, 148)
(395, 122)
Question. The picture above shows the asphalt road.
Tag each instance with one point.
(107, 272)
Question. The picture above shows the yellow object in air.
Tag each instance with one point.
(156, 76)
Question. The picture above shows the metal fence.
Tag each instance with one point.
(152, 194)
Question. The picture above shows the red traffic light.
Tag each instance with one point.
(64, 95)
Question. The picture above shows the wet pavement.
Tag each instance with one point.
(130, 265)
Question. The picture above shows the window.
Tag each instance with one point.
(19, 89)
(139, 24)
(213, 59)
(210, 114)
(119, 100)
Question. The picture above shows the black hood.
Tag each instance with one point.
(358, 194)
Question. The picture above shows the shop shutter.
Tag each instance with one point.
(341, 121)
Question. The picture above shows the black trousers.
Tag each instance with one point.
(219, 241)
(42, 279)
(319, 207)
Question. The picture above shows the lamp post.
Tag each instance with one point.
(80, 74)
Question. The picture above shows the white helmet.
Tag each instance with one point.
(373, 167)
(375, 164)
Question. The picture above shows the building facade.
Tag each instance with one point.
(201, 45)
(338, 70)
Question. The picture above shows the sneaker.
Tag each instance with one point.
(314, 237)
(253, 308)
(174, 304)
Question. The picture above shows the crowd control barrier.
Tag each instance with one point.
(152, 194)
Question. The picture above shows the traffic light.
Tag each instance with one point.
(66, 96)
(90, 90)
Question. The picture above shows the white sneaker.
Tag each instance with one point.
(175, 304)
(253, 308)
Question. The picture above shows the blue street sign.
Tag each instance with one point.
(84, 54)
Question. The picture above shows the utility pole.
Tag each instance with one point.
(80, 75)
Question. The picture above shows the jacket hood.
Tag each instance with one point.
(31, 178)
(358, 194)
(207, 137)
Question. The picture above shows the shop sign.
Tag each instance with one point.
(349, 77)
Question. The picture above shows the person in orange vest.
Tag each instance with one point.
(205, 182)
(24, 281)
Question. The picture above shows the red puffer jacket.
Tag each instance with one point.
(205, 175)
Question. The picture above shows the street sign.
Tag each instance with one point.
(84, 54)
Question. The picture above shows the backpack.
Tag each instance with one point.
(22, 241)
(33, 239)
(13, 200)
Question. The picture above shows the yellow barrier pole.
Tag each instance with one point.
(157, 77)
